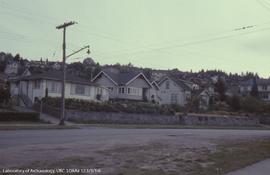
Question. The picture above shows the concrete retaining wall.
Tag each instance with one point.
(122, 118)
(220, 120)
(131, 118)
(126, 118)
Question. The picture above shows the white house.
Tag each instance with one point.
(263, 88)
(174, 91)
(125, 85)
(12, 68)
(32, 87)
(204, 97)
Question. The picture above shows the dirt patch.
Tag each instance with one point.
(160, 159)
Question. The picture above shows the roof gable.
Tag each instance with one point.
(106, 75)
(179, 82)
(137, 76)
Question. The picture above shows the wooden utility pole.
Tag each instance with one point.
(64, 26)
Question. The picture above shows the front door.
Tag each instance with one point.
(144, 94)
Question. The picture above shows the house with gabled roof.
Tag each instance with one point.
(174, 90)
(31, 86)
(263, 88)
(125, 85)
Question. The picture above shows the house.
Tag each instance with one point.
(174, 91)
(263, 88)
(233, 90)
(154, 93)
(124, 85)
(203, 96)
(12, 68)
(32, 86)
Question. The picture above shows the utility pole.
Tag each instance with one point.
(64, 26)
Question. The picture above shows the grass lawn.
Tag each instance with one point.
(233, 156)
(159, 159)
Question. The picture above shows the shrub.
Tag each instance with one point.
(234, 102)
(19, 116)
(127, 106)
(252, 104)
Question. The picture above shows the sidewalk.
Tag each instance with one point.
(43, 117)
(260, 168)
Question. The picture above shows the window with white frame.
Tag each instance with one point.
(174, 98)
(99, 90)
(53, 86)
(110, 89)
(77, 89)
(121, 90)
(264, 95)
(264, 88)
(134, 91)
(36, 84)
(80, 89)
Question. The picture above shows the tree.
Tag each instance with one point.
(235, 103)
(254, 90)
(220, 87)
(17, 57)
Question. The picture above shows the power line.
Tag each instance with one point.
(189, 43)
(263, 5)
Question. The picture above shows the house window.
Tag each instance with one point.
(37, 84)
(110, 88)
(77, 89)
(80, 89)
(174, 98)
(99, 90)
(53, 87)
(134, 91)
(264, 88)
(167, 84)
(121, 90)
(264, 95)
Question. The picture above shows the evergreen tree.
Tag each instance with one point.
(254, 90)
(220, 87)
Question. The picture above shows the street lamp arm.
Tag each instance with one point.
(85, 47)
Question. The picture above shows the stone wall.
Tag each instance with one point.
(265, 120)
(220, 120)
(122, 118)
(126, 118)
(132, 118)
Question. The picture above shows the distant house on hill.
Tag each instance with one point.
(125, 85)
(174, 91)
(263, 88)
(12, 68)
(32, 87)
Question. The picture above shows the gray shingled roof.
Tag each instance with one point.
(121, 78)
(178, 81)
(57, 75)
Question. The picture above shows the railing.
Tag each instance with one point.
(26, 100)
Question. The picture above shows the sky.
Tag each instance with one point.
(160, 34)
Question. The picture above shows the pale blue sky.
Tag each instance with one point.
(166, 34)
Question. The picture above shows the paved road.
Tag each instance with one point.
(22, 147)
(28, 137)
(260, 168)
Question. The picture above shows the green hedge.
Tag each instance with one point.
(124, 106)
(19, 116)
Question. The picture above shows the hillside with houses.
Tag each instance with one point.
(29, 81)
